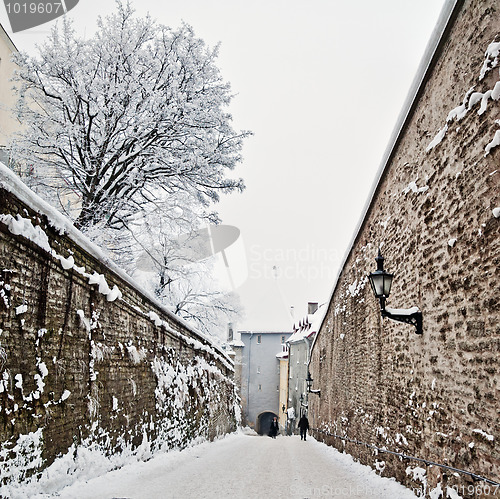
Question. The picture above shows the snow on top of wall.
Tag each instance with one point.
(21, 226)
(24, 227)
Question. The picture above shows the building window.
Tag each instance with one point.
(258, 369)
(282, 339)
(259, 338)
(260, 388)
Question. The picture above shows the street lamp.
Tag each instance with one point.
(381, 282)
(309, 382)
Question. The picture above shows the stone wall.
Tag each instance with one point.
(87, 361)
(435, 214)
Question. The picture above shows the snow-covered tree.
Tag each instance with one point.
(176, 263)
(133, 124)
(131, 115)
(198, 298)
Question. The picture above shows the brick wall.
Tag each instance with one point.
(434, 396)
(83, 365)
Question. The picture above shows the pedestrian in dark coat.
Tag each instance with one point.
(273, 431)
(303, 426)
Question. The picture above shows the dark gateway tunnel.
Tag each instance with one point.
(264, 422)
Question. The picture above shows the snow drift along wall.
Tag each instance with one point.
(92, 371)
(435, 213)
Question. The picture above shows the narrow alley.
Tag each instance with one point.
(243, 466)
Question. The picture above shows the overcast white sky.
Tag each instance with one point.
(320, 83)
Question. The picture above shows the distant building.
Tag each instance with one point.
(260, 377)
(69, 201)
(283, 397)
(8, 124)
(235, 351)
(299, 345)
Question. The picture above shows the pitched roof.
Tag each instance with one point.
(309, 325)
(6, 38)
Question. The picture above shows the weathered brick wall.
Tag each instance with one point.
(79, 368)
(434, 396)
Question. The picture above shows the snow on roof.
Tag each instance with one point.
(309, 325)
(282, 355)
(13, 184)
(4, 35)
(236, 343)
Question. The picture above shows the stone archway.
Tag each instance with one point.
(263, 423)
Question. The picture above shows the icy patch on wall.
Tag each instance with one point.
(491, 59)
(419, 475)
(357, 286)
(176, 385)
(473, 99)
(28, 452)
(137, 356)
(188, 402)
(487, 436)
(437, 139)
(412, 186)
(89, 459)
(494, 143)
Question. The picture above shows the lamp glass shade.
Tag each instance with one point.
(309, 381)
(387, 284)
(381, 282)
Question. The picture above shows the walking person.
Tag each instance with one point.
(290, 418)
(303, 426)
(273, 431)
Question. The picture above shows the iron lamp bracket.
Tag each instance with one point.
(407, 316)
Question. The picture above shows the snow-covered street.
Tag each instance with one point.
(243, 466)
